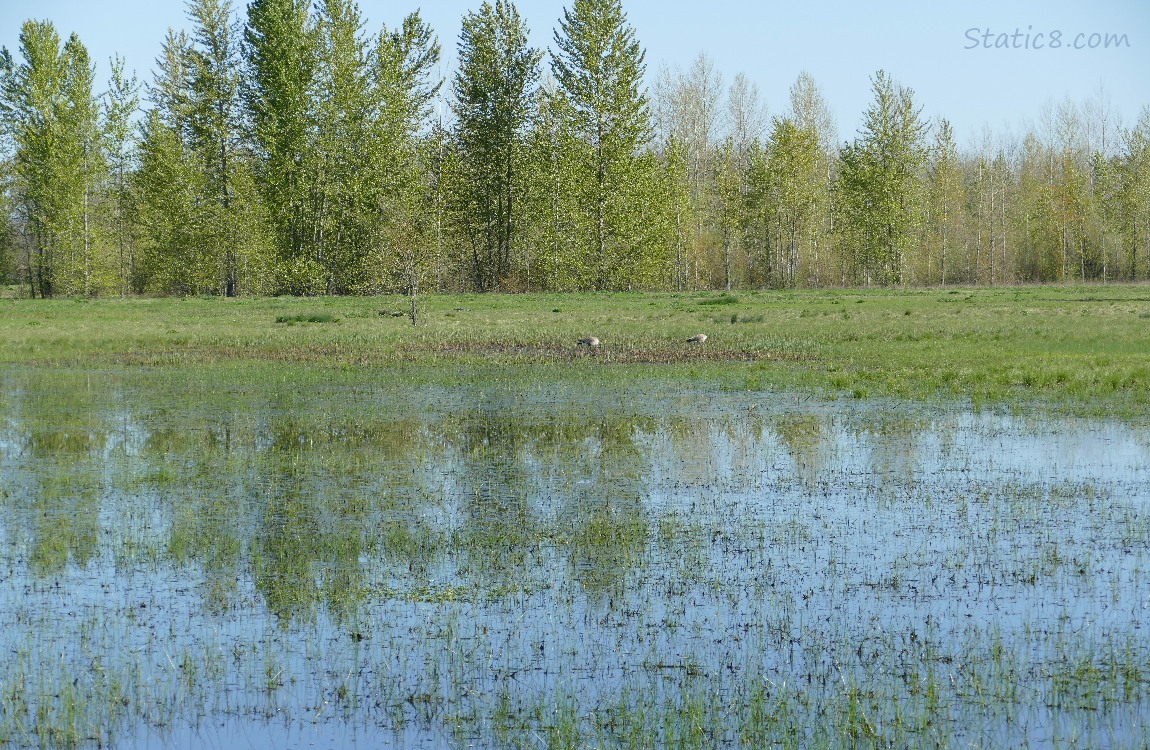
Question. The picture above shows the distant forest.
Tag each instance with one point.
(288, 149)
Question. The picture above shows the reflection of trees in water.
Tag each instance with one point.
(308, 552)
(713, 449)
(892, 440)
(805, 439)
(607, 539)
(61, 427)
(529, 480)
(320, 501)
(602, 517)
(63, 522)
(496, 531)
(340, 500)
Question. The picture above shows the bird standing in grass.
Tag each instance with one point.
(698, 338)
(589, 341)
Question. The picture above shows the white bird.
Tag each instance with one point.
(589, 341)
(698, 338)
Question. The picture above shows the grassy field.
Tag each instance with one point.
(1077, 348)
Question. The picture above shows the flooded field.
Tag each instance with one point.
(224, 557)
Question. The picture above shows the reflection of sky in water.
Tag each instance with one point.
(546, 541)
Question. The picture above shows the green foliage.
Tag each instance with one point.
(494, 94)
(599, 66)
(121, 103)
(879, 189)
(794, 186)
(297, 154)
(725, 299)
(944, 206)
(51, 119)
(1133, 168)
(280, 46)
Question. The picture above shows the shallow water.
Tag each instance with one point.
(323, 558)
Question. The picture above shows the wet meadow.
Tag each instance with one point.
(848, 519)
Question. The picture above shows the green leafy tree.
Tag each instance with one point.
(404, 206)
(281, 55)
(598, 67)
(944, 207)
(346, 154)
(678, 197)
(1134, 194)
(553, 217)
(810, 112)
(879, 189)
(199, 207)
(121, 103)
(794, 182)
(688, 109)
(167, 183)
(215, 137)
(494, 90)
(1104, 206)
(51, 120)
(31, 96)
(81, 152)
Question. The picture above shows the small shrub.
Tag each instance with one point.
(725, 299)
(307, 318)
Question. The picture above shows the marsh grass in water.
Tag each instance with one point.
(583, 556)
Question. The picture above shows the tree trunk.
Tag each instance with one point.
(727, 260)
(413, 289)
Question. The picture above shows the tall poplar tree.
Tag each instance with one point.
(199, 205)
(281, 56)
(51, 118)
(554, 217)
(404, 206)
(1134, 195)
(944, 203)
(121, 103)
(880, 183)
(599, 66)
(214, 118)
(167, 183)
(82, 154)
(810, 111)
(794, 180)
(343, 149)
(494, 90)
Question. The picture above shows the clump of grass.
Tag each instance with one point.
(307, 318)
(724, 299)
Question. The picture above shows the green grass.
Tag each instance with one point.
(1074, 347)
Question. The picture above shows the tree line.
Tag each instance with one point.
(287, 150)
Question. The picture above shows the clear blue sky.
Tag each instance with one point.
(928, 46)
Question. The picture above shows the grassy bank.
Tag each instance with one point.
(1077, 347)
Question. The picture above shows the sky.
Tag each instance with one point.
(995, 65)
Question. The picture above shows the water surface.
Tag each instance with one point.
(216, 556)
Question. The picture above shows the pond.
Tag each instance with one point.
(239, 555)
